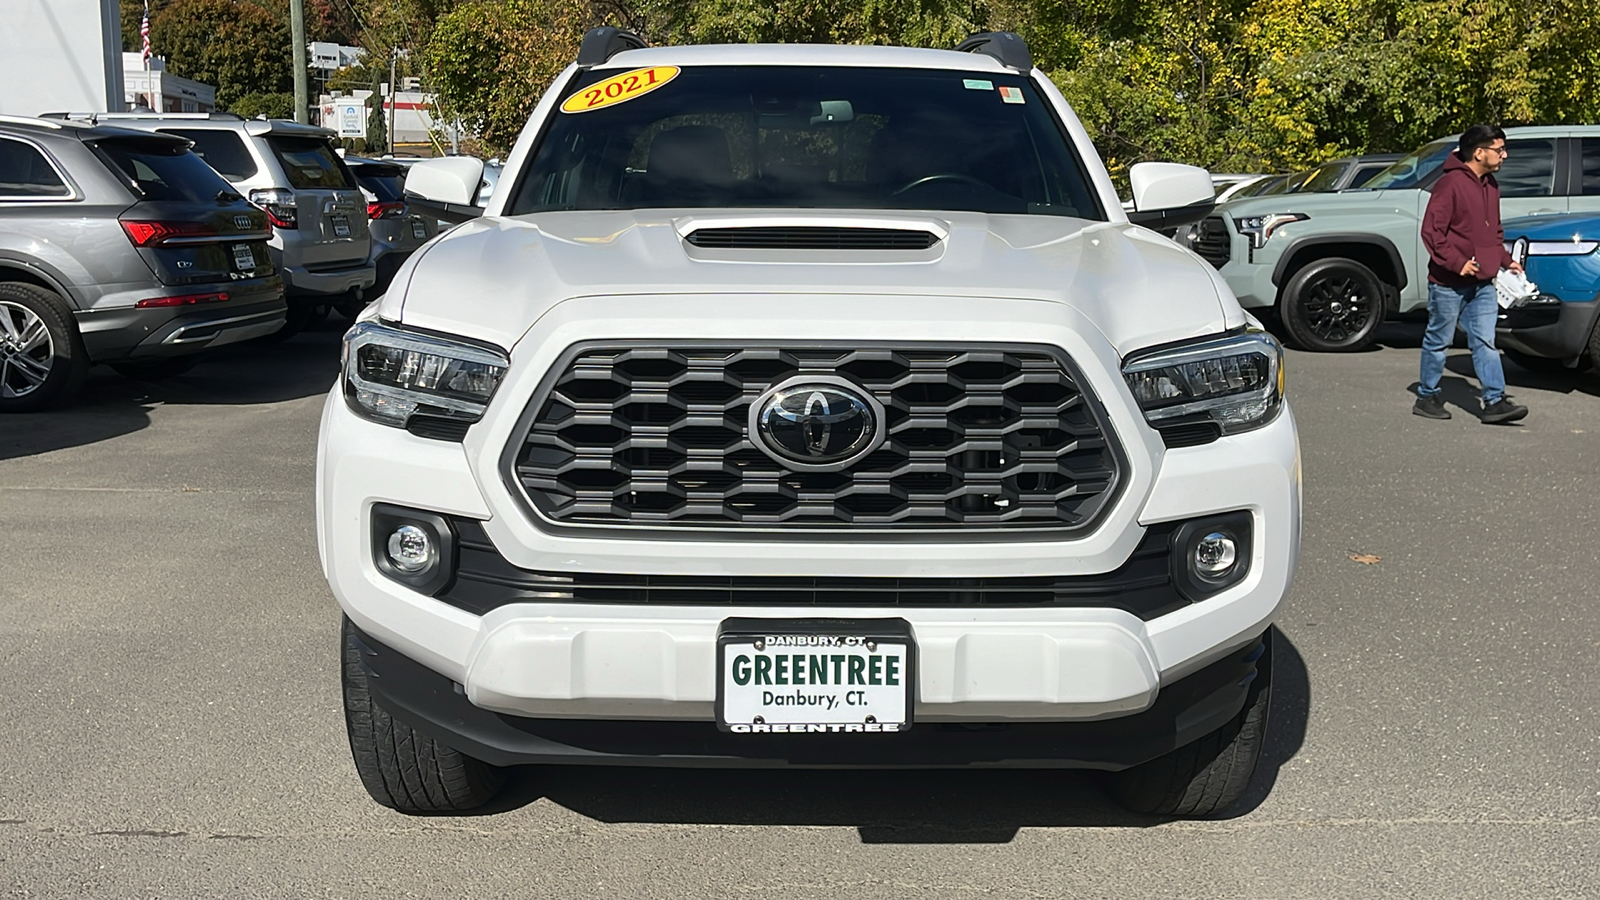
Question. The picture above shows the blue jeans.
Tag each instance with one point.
(1477, 311)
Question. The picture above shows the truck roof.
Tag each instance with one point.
(804, 55)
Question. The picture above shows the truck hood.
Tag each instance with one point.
(493, 278)
(1353, 201)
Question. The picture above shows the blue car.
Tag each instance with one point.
(1557, 330)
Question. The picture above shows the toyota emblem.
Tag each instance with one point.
(817, 422)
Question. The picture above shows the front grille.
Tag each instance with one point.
(811, 237)
(1212, 241)
(485, 581)
(1000, 437)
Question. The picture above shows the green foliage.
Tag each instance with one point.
(240, 47)
(274, 105)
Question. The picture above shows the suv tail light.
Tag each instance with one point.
(386, 209)
(279, 205)
(145, 233)
(183, 300)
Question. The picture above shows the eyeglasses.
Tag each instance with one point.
(1497, 150)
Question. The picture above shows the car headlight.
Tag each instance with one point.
(1234, 383)
(396, 376)
(1259, 229)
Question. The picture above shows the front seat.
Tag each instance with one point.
(686, 166)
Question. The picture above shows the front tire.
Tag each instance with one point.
(400, 768)
(1204, 778)
(1333, 305)
(42, 357)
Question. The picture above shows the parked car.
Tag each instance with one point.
(320, 236)
(886, 440)
(397, 230)
(1333, 266)
(1559, 329)
(491, 181)
(1240, 187)
(119, 247)
(1341, 174)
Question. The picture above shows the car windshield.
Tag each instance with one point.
(310, 163)
(1322, 179)
(806, 137)
(1411, 168)
(164, 169)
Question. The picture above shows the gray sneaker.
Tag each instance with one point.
(1503, 412)
(1432, 407)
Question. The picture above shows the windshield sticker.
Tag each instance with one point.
(619, 89)
(977, 84)
(1011, 94)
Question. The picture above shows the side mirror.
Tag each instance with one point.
(1167, 195)
(446, 187)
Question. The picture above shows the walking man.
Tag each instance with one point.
(1466, 249)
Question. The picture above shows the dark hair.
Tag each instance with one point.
(1476, 137)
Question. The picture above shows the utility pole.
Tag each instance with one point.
(297, 34)
(393, 98)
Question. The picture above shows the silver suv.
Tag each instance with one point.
(121, 247)
(320, 238)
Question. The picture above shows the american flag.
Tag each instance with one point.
(144, 33)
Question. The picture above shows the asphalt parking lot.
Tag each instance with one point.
(170, 722)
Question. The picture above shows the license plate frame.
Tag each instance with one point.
(244, 258)
(341, 225)
(857, 707)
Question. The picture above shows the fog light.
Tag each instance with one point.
(411, 551)
(1215, 555)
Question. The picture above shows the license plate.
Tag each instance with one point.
(815, 676)
(419, 230)
(243, 258)
(341, 226)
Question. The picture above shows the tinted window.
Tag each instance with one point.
(163, 170)
(310, 163)
(1591, 167)
(385, 182)
(803, 137)
(1364, 175)
(1323, 178)
(222, 150)
(1411, 168)
(24, 172)
(1529, 169)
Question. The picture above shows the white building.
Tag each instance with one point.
(413, 115)
(60, 56)
(162, 91)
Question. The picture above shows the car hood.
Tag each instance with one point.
(492, 279)
(1309, 204)
(1571, 227)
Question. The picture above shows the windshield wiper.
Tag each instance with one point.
(227, 196)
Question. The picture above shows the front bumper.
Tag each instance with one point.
(1557, 331)
(555, 659)
(1187, 710)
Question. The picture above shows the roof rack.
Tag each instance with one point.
(96, 117)
(602, 43)
(1006, 46)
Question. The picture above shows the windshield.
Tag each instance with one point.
(1411, 168)
(310, 163)
(1322, 179)
(807, 137)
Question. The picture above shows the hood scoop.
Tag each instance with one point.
(811, 237)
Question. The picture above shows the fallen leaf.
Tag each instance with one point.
(1366, 559)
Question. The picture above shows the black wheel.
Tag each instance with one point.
(1333, 304)
(400, 768)
(42, 359)
(156, 369)
(1542, 364)
(1208, 776)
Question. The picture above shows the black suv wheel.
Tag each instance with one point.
(1332, 305)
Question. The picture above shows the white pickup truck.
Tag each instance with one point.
(808, 406)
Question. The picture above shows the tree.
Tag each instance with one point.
(239, 47)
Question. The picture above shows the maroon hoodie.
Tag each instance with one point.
(1462, 223)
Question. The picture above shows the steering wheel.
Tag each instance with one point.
(943, 176)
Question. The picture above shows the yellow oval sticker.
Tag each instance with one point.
(619, 89)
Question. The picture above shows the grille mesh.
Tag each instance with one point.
(1212, 242)
(977, 437)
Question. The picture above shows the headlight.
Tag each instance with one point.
(392, 375)
(1234, 383)
(1260, 228)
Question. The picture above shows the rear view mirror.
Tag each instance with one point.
(1166, 195)
(447, 187)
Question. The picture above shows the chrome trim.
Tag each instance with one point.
(72, 188)
(177, 336)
